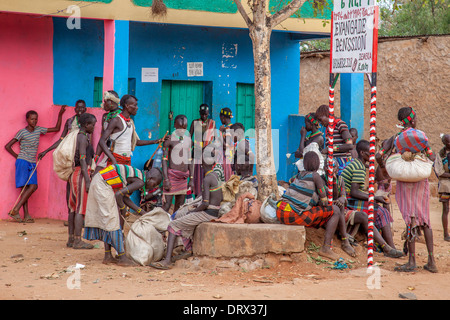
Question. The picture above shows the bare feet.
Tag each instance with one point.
(124, 261)
(391, 252)
(348, 249)
(326, 252)
(109, 259)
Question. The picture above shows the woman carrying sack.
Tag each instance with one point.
(412, 196)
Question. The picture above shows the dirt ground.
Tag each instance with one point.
(36, 265)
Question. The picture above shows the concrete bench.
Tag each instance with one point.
(215, 239)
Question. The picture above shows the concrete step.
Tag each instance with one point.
(215, 239)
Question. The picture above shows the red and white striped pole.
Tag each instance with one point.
(330, 141)
(330, 129)
(372, 140)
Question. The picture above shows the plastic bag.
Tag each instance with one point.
(269, 211)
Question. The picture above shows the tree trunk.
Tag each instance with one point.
(260, 29)
(265, 167)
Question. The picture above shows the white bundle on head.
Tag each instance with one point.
(109, 96)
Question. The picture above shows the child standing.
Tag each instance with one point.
(177, 165)
(79, 181)
(202, 131)
(72, 123)
(26, 176)
(441, 166)
(225, 130)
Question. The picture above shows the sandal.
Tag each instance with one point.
(405, 268)
(82, 245)
(16, 217)
(183, 255)
(28, 220)
(159, 265)
(70, 242)
(431, 269)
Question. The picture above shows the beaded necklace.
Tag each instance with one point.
(112, 114)
(312, 135)
(127, 120)
(210, 170)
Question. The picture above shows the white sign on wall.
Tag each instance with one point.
(352, 36)
(149, 74)
(195, 69)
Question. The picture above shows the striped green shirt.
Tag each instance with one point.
(354, 172)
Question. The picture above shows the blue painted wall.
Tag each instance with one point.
(77, 59)
(352, 101)
(121, 52)
(227, 58)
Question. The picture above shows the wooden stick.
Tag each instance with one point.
(159, 146)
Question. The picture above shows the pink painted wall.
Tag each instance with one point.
(26, 83)
(108, 60)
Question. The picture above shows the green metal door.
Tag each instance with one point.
(245, 105)
(98, 92)
(181, 97)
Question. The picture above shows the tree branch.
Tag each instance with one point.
(286, 12)
(244, 15)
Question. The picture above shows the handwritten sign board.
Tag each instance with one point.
(352, 36)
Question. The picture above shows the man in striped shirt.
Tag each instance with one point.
(26, 177)
(354, 176)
